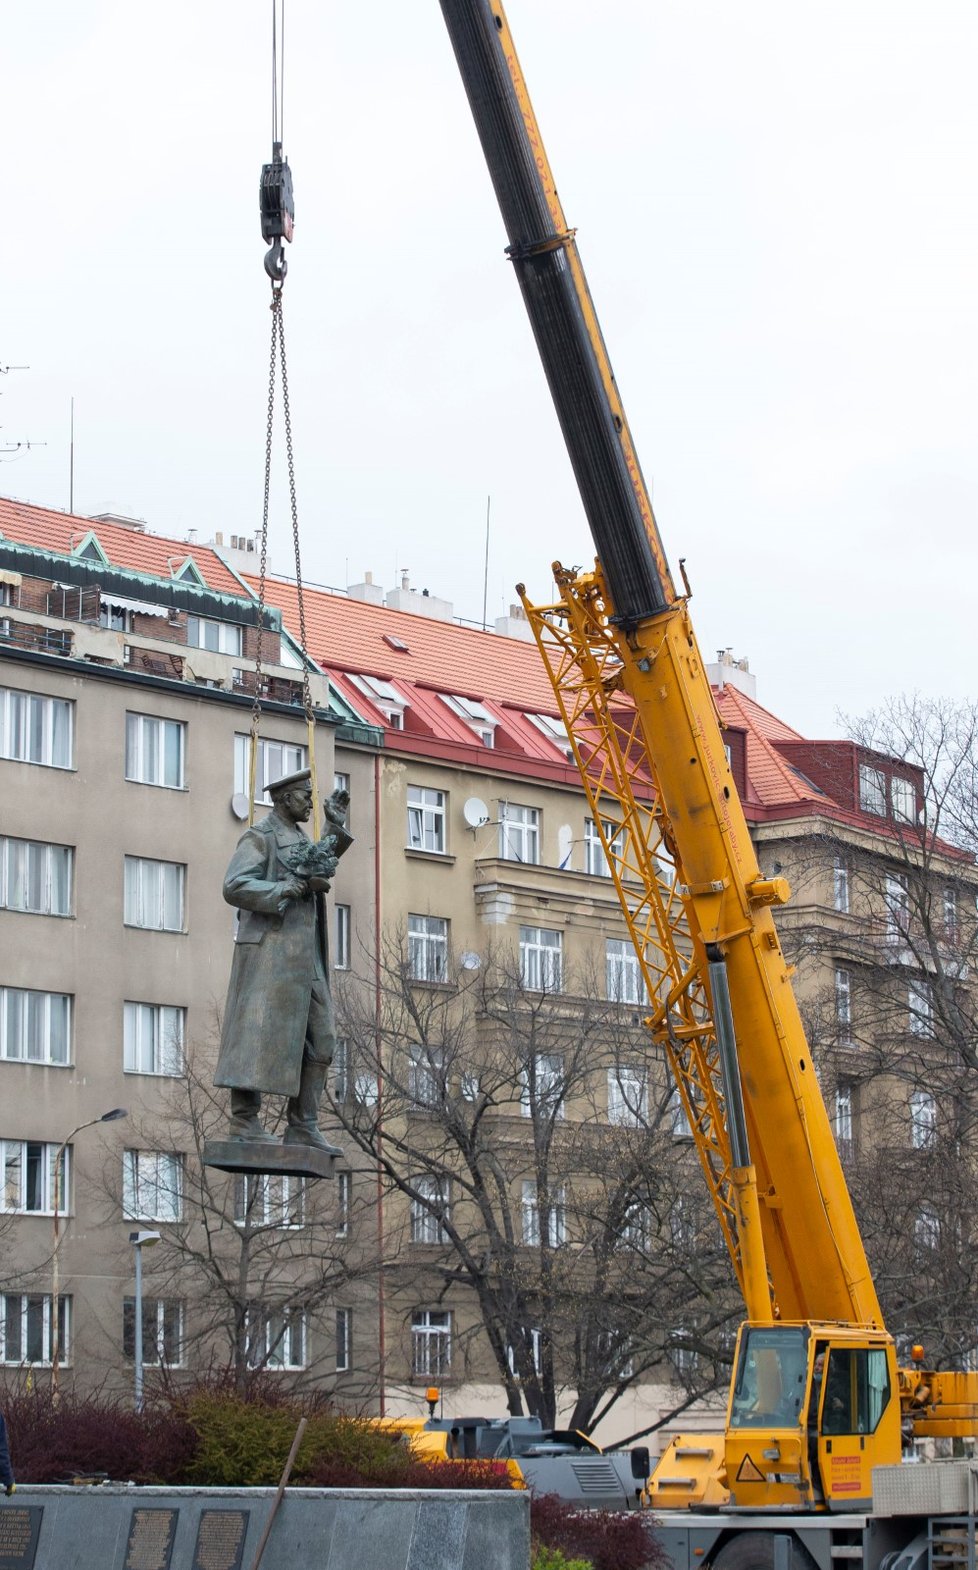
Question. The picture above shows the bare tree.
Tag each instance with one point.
(528, 1134)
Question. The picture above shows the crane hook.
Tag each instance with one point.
(277, 212)
(276, 265)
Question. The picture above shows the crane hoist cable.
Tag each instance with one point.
(277, 219)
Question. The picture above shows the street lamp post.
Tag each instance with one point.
(57, 1176)
(139, 1241)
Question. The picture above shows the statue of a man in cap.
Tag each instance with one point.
(279, 1034)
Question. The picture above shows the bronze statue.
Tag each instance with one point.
(279, 1032)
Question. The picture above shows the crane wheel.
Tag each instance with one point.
(756, 1551)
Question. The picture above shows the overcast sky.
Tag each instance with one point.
(776, 208)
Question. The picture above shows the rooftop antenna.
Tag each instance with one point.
(485, 571)
(71, 458)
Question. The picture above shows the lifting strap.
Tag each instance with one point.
(277, 222)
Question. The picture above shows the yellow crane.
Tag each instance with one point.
(817, 1399)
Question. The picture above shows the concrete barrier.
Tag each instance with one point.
(120, 1528)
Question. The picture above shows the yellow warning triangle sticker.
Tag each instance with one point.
(748, 1472)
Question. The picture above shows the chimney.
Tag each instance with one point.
(371, 593)
(728, 672)
(515, 625)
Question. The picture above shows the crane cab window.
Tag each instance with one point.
(857, 1389)
(772, 1372)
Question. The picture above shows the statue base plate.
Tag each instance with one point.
(256, 1158)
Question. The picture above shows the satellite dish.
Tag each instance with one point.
(239, 805)
(469, 960)
(476, 813)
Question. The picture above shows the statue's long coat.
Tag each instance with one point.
(280, 952)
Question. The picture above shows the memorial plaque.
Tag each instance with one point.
(150, 1544)
(220, 1539)
(20, 1526)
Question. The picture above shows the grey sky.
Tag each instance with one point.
(776, 207)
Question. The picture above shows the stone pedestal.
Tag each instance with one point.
(256, 1158)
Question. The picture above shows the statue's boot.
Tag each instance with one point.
(245, 1125)
(302, 1111)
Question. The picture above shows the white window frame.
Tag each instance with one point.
(340, 955)
(897, 899)
(679, 1124)
(952, 929)
(623, 973)
(38, 729)
(344, 1203)
(903, 799)
(39, 1019)
(628, 1096)
(153, 1037)
(426, 819)
(843, 1118)
(276, 760)
(218, 637)
(542, 1085)
(872, 790)
(152, 1185)
(555, 731)
(541, 959)
(596, 863)
(344, 1340)
(927, 1227)
(475, 715)
(840, 885)
(150, 892)
(384, 696)
(156, 1331)
(426, 1070)
(431, 1343)
(427, 948)
(530, 1216)
(536, 1353)
(341, 1070)
(273, 1200)
(920, 1005)
(22, 1306)
(277, 1339)
(922, 1107)
(843, 1001)
(427, 1226)
(149, 760)
(18, 1157)
(519, 833)
(30, 871)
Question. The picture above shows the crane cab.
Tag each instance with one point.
(813, 1408)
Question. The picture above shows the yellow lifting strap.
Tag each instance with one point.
(278, 355)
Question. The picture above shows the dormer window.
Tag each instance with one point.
(220, 637)
(872, 790)
(475, 715)
(385, 696)
(554, 730)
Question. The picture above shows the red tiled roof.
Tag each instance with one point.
(773, 781)
(126, 548)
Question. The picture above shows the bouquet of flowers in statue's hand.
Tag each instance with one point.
(315, 859)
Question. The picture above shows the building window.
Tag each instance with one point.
(541, 959)
(429, 1209)
(344, 1340)
(897, 898)
(952, 931)
(341, 782)
(221, 637)
(29, 1177)
(595, 861)
(476, 716)
(162, 1331)
(679, 1124)
(426, 819)
(272, 1200)
(685, 1357)
(155, 750)
(276, 760)
(682, 1223)
(428, 948)
(637, 1227)
(843, 1002)
(344, 1196)
(340, 956)
(623, 975)
(385, 697)
(923, 1120)
(35, 877)
(153, 1037)
(628, 1096)
(25, 1329)
(920, 1001)
(903, 799)
(154, 894)
(431, 1342)
(276, 1338)
(872, 790)
(35, 1027)
(843, 1118)
(341, 1070)
(927, 1228)
(536, 1352)
(555, 731)
(152, 1185)
(542, 1085)
(840, 884)
(34, 729)
(426, 1075)
(556, 1229)
(519, 833)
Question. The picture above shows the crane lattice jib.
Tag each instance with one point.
(629, 632)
